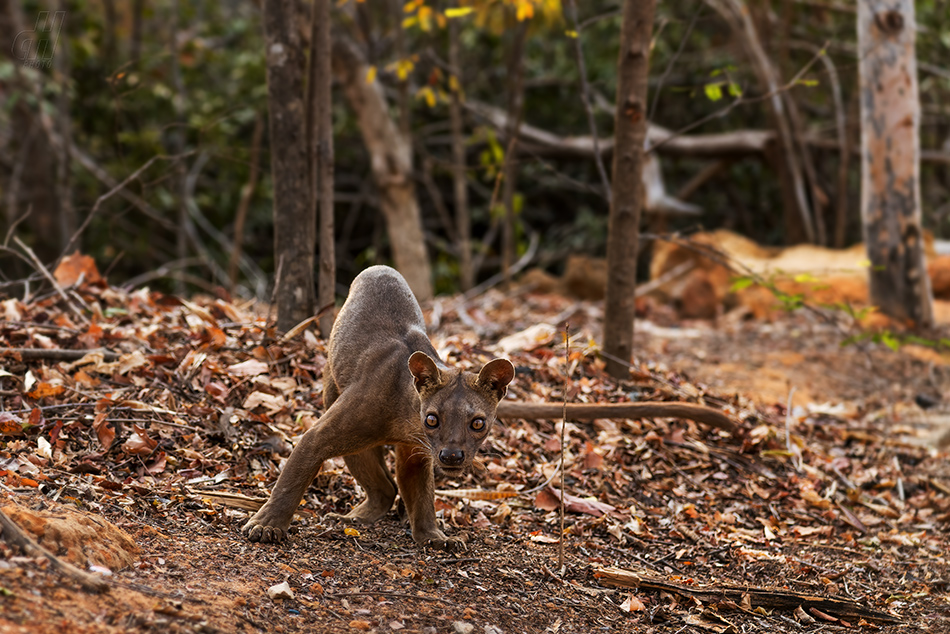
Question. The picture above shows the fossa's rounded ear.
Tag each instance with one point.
(495, 376)
(424, 371)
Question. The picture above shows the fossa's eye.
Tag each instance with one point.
(478, 424)
(432, 421)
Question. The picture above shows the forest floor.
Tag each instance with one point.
(831, 516)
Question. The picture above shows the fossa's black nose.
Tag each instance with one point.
(452, 457)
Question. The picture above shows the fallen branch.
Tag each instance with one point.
(775, 599)
(739, 143)
(238, 501)
(15, 536)
(643, 409)
(55, 354)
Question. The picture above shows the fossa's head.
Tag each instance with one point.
(458, 408)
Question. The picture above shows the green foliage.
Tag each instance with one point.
(127, 112)
(896, 340)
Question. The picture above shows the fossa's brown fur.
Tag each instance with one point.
(385, 385)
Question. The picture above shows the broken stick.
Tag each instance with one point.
(769, 598)
(643, 409)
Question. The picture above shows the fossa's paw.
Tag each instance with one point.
(438, 540)
(267, 525)
(257, 532)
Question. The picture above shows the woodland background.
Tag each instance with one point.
(132, 81)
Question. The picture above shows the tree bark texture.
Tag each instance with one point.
(320, 130)
(294, 218)
(391, 164)
(623, 234)
(890, 160)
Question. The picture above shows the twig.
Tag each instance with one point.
(42, 269)
(567, 387)
(115, 190)
(585, 98)
(676, 55)
(775, 599)
(247, 192)
(680, 269)
(522, 262)
(56, 354)
(841, 130)
(15, 536)
(102, 176)
(738, 101)
(13, 185)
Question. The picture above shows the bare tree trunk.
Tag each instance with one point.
(391, 161)
(294, 220)
(623, 233)
(31, 190)
(890, 160)
(320, 151)
(510, 177)
(463, 221)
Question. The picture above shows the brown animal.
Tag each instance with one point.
(385, 385)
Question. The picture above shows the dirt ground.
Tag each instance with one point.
(851, 506)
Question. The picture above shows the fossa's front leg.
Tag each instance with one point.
(417, 488)
(330, 437)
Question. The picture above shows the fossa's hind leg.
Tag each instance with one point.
(370, 470)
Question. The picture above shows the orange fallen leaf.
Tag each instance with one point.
(76, 266)
(104, 432)
(43, 390)
(10, 424)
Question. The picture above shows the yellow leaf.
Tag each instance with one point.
(352, 532)
(864, 263)
(427, 93)
(571, 34)
(459, 12)
(525, 10)
(410, 22)
(371, 74)
(425, 18)
(403, 68)
(453, 83)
